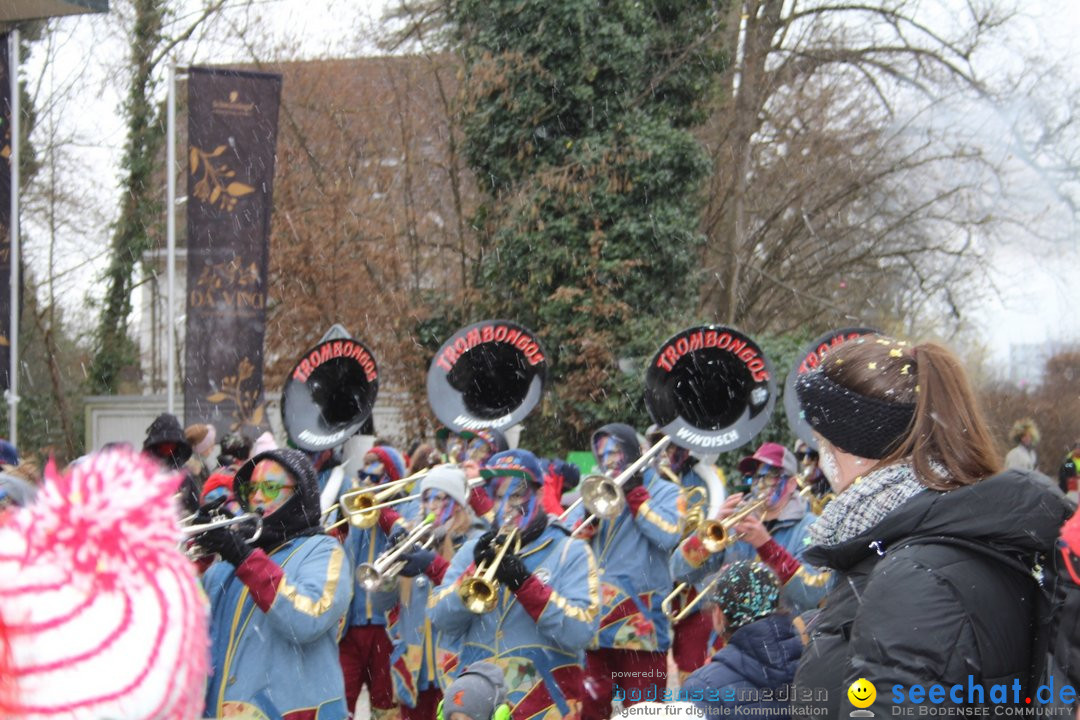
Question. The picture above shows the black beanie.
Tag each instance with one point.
(855, 423)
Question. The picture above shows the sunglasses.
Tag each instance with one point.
(270, 489)
(270, 479)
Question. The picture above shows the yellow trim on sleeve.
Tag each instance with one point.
(306, 605)
(646, 512)
(587, 614)
(809, 579)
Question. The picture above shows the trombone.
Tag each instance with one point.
(361, 507)
(480, 592)
(603, 496)
(677, 617)
(716, 536)
(387, 566)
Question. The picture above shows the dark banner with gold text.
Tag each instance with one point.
(232, 133)
(5, 212)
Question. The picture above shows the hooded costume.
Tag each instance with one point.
(275, 618)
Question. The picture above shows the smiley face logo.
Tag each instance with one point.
(862, 693)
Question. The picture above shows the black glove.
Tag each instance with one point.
(483, 551)
(635, 481)
(511, 571)
(211, 510)
(397, 536)
(569, 472)
(417, 561)
(227, 543)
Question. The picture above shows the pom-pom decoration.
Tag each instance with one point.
(103, 614)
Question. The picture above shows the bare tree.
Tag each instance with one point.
(840, 191)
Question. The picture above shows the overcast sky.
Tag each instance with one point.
(1037, 281)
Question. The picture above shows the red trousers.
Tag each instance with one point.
(426, 704)
(632, 671)
(365, 659)
(690, 645)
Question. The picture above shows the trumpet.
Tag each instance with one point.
(716, 535)
(194, 552)
(387, 566)
(480, 592)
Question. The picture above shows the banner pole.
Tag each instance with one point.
(13, 377)
(170, 251)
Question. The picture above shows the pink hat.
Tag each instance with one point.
(104, 616)
(264, 443)
(773, 454)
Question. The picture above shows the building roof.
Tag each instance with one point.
(13, 10)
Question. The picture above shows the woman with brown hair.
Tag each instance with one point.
(936, 550)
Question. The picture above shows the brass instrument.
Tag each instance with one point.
(387, 566)
(708, 389)
(330, 393)
(677, 617)
(490, 374)
(480, 592)
(716, 536)
(817, 504)
(812, 357)
(356, 504)
(190, 532)
(603, 495)
(695, 510)
(361, 507)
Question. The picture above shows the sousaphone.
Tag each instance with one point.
(329, 394)
(490, 374)
(709, 389)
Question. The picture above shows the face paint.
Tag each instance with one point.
(270, 487)
(610, 455)
(456, 450)
(517, 502)
(479, 450)
(372, 474)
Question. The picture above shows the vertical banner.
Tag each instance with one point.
(232, 134)
(5, 213)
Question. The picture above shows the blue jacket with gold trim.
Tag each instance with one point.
(274, 627)
(536, 635)
(632, 551)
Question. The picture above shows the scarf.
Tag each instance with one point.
(865, 503)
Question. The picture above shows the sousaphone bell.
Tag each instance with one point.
(490, 374)
(709, 389)
(329, 394)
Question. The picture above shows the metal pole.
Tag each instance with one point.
(13, 370)
(170, 251)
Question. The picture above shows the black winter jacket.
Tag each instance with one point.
(941, 589)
